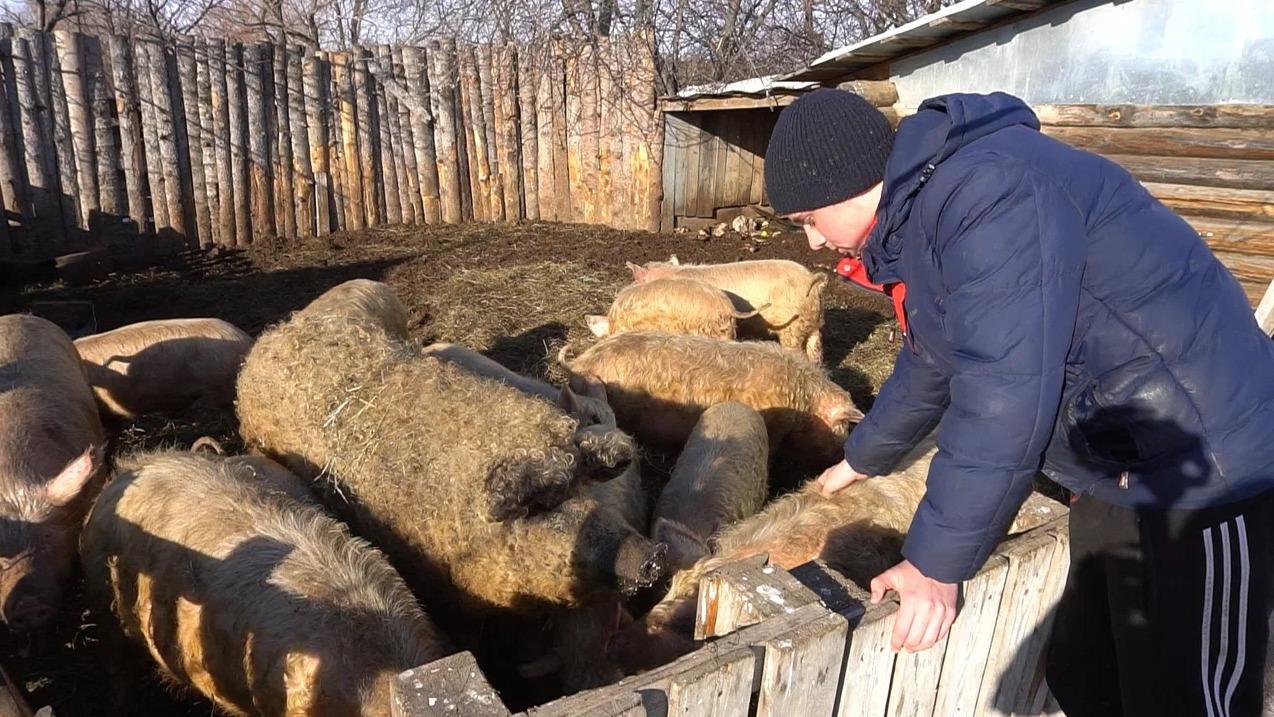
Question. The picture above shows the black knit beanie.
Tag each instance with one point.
(827, 146)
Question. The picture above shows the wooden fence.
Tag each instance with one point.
(807, 643)
(201, 142)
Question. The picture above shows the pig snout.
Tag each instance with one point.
(29, 609)
(639, 564)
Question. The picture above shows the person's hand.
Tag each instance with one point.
(928, 607)
(837, 477)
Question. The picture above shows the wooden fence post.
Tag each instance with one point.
(257, 67)
(150, 131)
(316, 103)
(281, 144)
(298, 129)
(189, 80)
(78, 122)
(237, 124)
(474, 135)
(63, 140)
(486, 91)
(511, 156)
(442, 99)
(411, 141)
(373, 207)
(528, 132)
(390, 198)
(208, 141)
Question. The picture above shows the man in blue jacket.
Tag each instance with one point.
(1057, 318)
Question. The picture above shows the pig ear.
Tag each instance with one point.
(845, 413)
(684, 547)
(599, 325)
(672, 259)
(639, 272)
(74, 477)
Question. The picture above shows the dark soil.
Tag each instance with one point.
(515, 292)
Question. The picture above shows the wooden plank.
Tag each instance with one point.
(79, 123)
(390, 198)
(1231, 173)
(189, 75)
(299, 131)
(150, 133)
(687, 200)
(528, 134)
(237, 138)
(1246, 267)
(113, 199)
(746, 593)
(1265, 311)
(560, 114)
(13, 187)
(881, 93)
(916, 674)
(464, 139)
(1223, 116)
(352, 182)
(500, 168)
(1170, 142)
(1253, 204)
(441, 79)
(411, 165)
(720, 690)
(373, 198)
(63, 140)
(672, 150)
(453, 685)
(719, 178)
(511, 160)
(208, 139)
(316, 100)
(172, 157)
(969, 642)
(1033, 696)
(869, 663)
(284, 162)
(403, 143)
(712, 104)
(761, 136)
(257, 68)
(801, 669)
(1026, 592)
(650, 146)
(731, 174)
(707, 190)
(475, 135)
(487, 91)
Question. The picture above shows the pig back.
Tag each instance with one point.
(721, 476)
(45, 400)
(228, 564)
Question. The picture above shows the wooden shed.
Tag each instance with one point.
(1180, 93)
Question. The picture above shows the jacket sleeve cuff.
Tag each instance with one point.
(945, 554)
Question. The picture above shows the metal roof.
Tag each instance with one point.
(750, 87)
(936, 28)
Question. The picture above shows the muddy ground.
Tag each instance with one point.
(514, 292)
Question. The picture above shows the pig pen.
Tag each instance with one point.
(516, 293)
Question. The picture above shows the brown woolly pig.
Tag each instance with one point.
(49, 452)
(439, 467)
(787, 297)
(859, 531)
(260, 602)
(584, 397)
(659, 384)
(673, 304)
(719, 479)
(366, 299)
(163, 366)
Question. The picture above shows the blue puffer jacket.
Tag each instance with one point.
(1060, 318)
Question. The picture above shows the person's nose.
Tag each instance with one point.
(815, 238)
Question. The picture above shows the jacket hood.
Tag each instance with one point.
(940, 127)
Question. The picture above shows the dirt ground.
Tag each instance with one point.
(514, 292)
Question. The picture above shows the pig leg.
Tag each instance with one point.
(814, 346)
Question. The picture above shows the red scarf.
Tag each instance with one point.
(853, 270)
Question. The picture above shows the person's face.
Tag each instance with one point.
(843, 226)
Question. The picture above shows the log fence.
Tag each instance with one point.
(193, 142)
